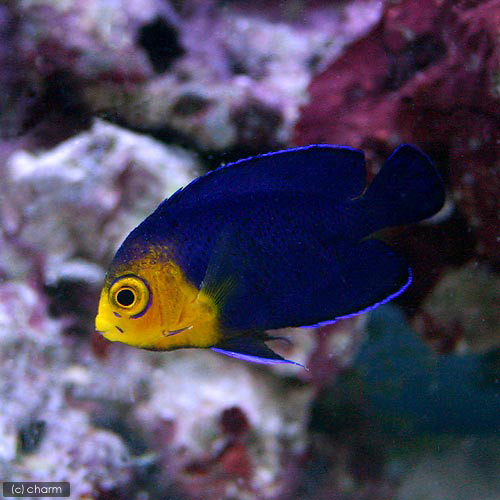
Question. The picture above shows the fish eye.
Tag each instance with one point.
(125, 297)
(131, 295)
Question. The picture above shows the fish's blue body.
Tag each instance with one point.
(285, 239)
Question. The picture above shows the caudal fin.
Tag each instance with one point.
(407, 189)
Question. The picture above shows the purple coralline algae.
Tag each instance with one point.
(428, 74)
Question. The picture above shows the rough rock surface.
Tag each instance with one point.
(100, 182)
(462, 311)
(219, 76)
(41, 438)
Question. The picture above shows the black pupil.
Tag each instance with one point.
(125, 297)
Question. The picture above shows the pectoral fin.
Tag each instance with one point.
(219, 281)
(252, 349)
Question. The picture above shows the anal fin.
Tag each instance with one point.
(251, 348)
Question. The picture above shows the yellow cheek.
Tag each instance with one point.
(132, 332)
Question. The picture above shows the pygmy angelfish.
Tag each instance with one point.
(283, 239)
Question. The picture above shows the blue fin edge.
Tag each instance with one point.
(174, 196)
(299, 148)
(255, 359)
(369, 308)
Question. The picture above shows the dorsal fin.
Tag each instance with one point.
(337, 170)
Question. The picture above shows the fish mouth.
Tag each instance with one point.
(102, 327)
(108, 335)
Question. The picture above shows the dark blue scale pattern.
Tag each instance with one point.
(288, 228)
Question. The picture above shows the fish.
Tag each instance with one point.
(282, 239)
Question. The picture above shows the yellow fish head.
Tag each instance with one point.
(150, 305)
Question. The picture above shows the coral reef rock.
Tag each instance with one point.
(463, 310)
(100, 182)
(41, 437)
(227, 428)
(91, 460)
(221, 76)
